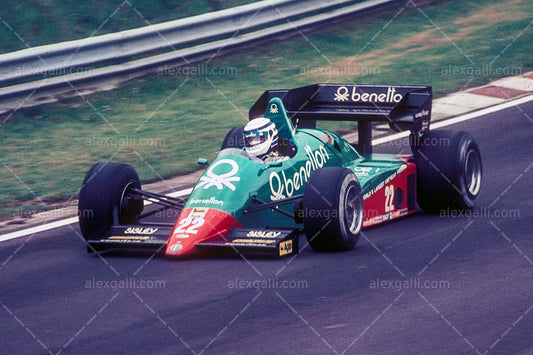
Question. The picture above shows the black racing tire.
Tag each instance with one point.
(332, 209)
(449, 171)
(103, 189)
(234, 138)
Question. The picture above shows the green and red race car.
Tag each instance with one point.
(325, 187)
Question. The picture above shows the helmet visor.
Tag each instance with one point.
(254, 138)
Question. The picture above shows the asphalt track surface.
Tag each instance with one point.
(423, 284)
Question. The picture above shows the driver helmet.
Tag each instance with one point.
(260, 137)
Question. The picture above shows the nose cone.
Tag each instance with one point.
(198, 224)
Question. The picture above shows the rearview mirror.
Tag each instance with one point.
(275, 164)
(203, 161)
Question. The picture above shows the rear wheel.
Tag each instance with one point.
(449, 171)
(332, 209)
(104, 193)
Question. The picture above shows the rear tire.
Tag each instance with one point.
(103, 191)
(332, 209)
(449, 171)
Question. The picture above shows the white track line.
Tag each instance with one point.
(377, 141)
(458, 119)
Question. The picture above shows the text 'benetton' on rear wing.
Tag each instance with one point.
(403, 107)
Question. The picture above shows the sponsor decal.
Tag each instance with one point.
(285, 248)
(326, 138)
(386, 217)
(253, 241)
(198, 212)
(425, 126)
(274, 108)
(422, 113)
(263, 234)
(282, 187)
(129, 237)
(385, 182)
(343, 94)
(211, 201)
(362, 170)
(181, 236)
(220, 180)
(137, 230)
(176, 247)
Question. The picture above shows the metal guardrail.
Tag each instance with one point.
(63, 57)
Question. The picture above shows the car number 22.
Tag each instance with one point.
(190, 225)
(389, 198)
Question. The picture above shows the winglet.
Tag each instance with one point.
(275, 111)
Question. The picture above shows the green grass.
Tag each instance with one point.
(34, 23)
(161, 124)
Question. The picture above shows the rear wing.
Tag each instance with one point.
(402, 107)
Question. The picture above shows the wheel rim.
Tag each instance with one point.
(125, 201)
(353, 211)
(472, 172)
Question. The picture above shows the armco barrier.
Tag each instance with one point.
(63, 57)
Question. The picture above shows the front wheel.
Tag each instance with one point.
(103, 194)
(332, 209)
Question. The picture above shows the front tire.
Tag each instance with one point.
(103, 193)
(332, 209)
(449, 171)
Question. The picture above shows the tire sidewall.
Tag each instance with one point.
(441, 170)
(324, 210)
(102, 190)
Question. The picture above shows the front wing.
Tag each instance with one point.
(154, 237)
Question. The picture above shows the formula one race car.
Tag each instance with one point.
(324, 186)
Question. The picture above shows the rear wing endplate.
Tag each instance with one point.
(402, 107)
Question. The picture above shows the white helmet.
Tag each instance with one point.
(260, 137)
